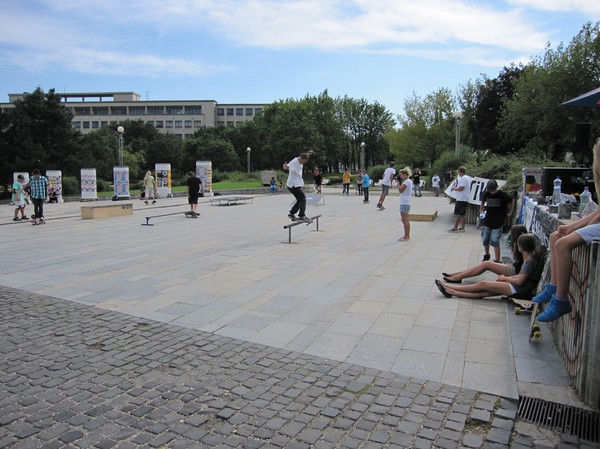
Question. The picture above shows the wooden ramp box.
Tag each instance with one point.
(91, 211)
(423, 216)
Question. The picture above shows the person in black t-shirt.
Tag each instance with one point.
(194, 185)
(495, 207)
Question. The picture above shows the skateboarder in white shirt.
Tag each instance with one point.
(295, 184)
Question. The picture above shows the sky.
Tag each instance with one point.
(262, 51)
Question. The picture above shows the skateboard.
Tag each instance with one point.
(296, 219)
(190, 214)
(535, 333)
(36, 222)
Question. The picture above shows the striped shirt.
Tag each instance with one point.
(39, 187)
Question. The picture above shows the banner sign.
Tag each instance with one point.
(204, 172)
(121, 182)
(163, 180)
(477, 187)
(54, 185)
(89, 189)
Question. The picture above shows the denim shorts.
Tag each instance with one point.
(589, 233)
(404, 208)
(385, 189)
(491, 236)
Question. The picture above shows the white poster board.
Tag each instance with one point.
(477, 187)
(54, 186)
(204, 172)
(121, 182)
(89, 188)
(163, 180)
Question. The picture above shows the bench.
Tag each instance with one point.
(289, 227)
(231, 200)
(89, 212)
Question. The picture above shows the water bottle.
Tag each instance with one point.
(584, 198)
(556, 191)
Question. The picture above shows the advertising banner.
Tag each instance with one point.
(163, 180)
(477, 187)
(54, 186)
(204, 172)
(121, 182)
(89, 189)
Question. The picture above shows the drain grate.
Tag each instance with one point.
(574, 421)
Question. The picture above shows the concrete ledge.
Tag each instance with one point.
(117, 209)
(423, 216)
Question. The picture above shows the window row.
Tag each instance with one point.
(239, 112)
(158, 124)
(139, 110)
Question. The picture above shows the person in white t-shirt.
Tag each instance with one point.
(295, 183)
(386, 182)
(405, 189)
(435, 183)
(462, 187)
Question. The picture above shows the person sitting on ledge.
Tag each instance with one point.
(562, 242)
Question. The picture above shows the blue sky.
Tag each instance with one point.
(260, 51)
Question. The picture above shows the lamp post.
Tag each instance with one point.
(458, 116)
(362, 155)
(120, 131)
(248, 150)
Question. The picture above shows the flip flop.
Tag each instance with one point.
(449, 281)
(446, 275)
(441, 288)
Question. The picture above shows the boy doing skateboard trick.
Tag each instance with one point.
(295, 184)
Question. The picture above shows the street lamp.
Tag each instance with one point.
(248, 150)
(120, 131)
(458, 116)
(362, 154)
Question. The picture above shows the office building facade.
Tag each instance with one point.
(182, 118)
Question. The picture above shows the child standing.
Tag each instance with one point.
(18, 198)
(366, 183)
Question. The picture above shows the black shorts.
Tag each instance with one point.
(460, 208)
(193, 199)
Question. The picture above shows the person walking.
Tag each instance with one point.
(194, 185)
(295, 183)
(495, 207)
(386, 183)
(366, 183)
(359, 182)
(346, 182)
(18, 198)
(318, 181)
(405, 188)
(39, 191)
(462, 187)
(149, 187)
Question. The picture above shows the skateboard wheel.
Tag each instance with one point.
(537, 336)
(535, 328)
(517, 310)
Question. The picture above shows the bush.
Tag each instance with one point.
(70, 185)
(103, 186)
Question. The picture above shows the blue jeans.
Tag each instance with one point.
(491, 236)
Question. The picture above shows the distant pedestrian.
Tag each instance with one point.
(366, 183)
(462, 187)
(194, 185)
(359, 182)
(346, 182)
(386, 182)
(273, 185)
(295, 183)
(39, 191)
(150, 187)
(417, 182)
(18, 198)
(435, 184)
(405, 188)
(318, 181)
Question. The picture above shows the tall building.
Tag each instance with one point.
(93, 110)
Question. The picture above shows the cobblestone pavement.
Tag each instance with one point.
(75, 376)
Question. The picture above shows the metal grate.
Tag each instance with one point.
(584, 424)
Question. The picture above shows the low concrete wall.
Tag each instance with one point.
(105, 210)
(576, 335)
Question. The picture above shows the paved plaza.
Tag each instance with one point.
(217, 332)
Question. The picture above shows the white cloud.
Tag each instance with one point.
(588, 7)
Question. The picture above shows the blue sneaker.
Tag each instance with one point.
(554, 310)
(545, 295)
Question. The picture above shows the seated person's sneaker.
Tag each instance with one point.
(545, 295)
(554, 310)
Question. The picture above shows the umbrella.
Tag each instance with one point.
(590, 99)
